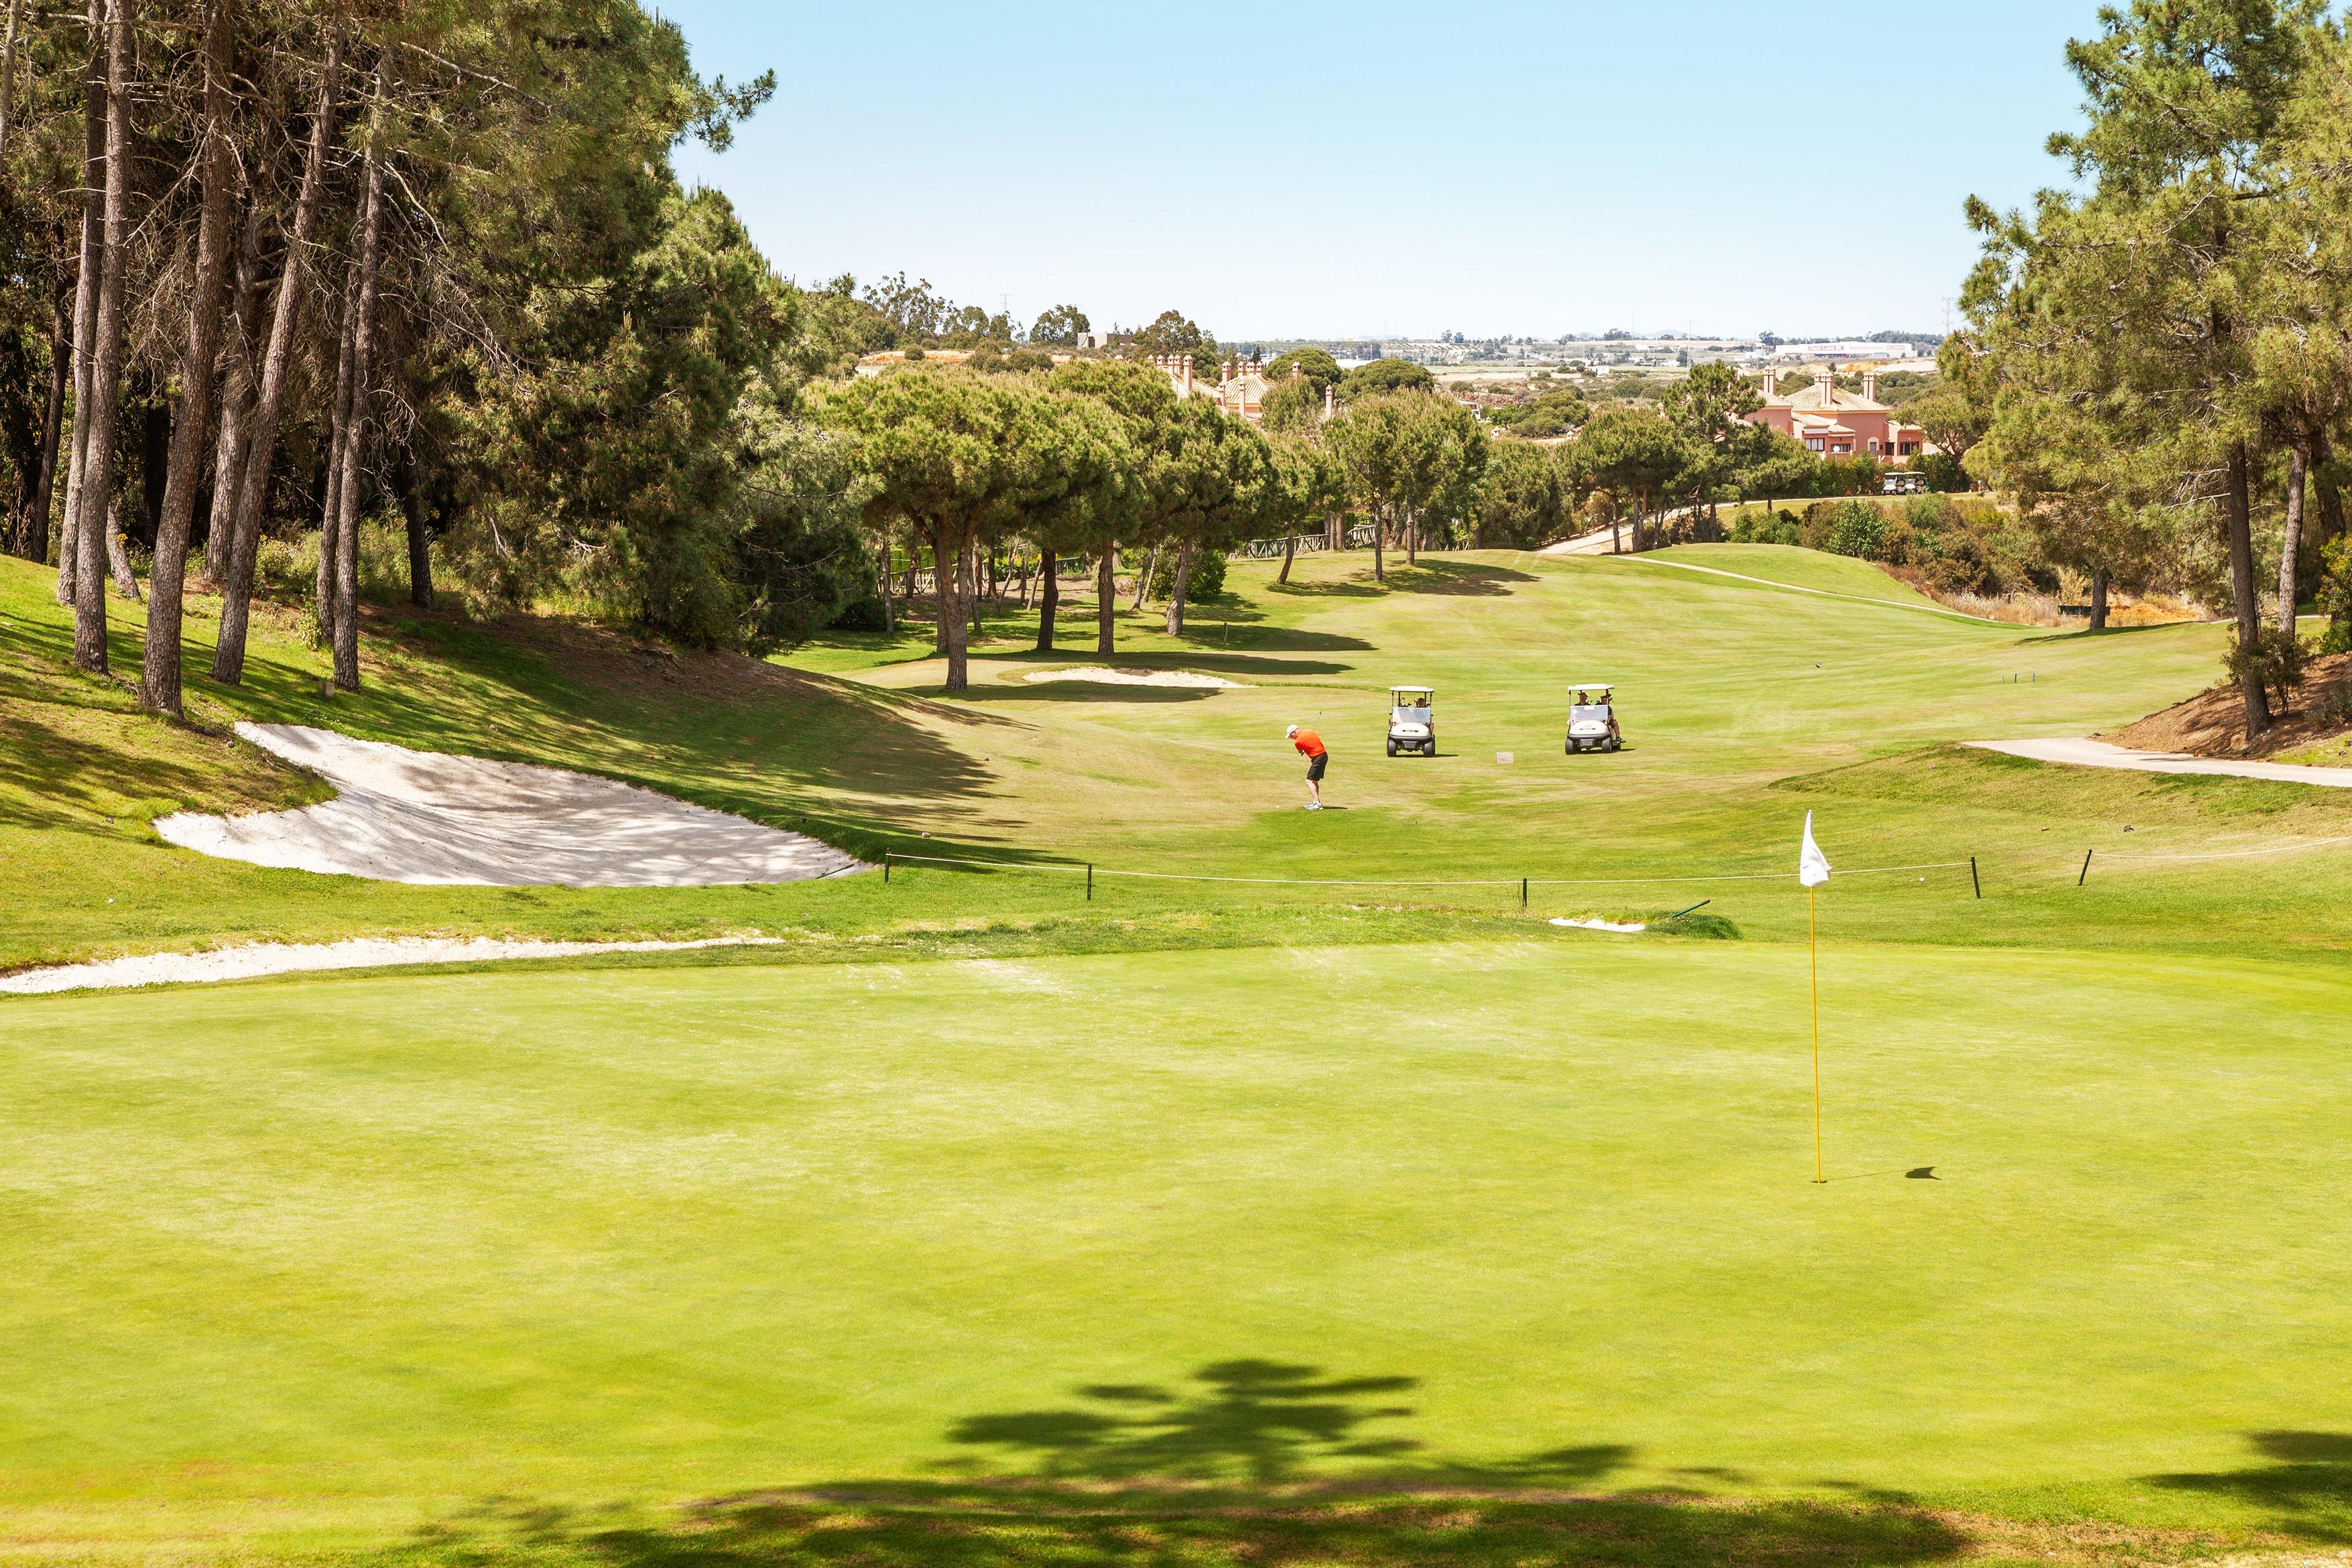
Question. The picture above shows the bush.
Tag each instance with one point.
(2336, 595)
(1779, 527)
(866, 614)
(1853, 529)
(1207, 581)
(2278, 659)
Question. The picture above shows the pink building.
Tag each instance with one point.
(1835, 424)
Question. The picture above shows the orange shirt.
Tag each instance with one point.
(1308, 742)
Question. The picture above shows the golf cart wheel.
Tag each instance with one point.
(1392, 749)
(1614, 743)
(1429, 750)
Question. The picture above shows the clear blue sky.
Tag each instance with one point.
(1286, 168)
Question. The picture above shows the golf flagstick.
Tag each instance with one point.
(1812, 870)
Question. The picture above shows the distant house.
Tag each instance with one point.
(1835, 423)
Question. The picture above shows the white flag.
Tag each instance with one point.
(1813, 866)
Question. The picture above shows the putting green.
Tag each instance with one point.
(372, 1248)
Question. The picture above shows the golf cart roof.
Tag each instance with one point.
(1591, 685)
(1431, 690)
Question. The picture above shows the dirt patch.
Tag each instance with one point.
(2213, 723)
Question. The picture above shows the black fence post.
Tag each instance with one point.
(1523, 895)
(2087, 868)
(885, 866)
(1090, 881)
(1974, 881)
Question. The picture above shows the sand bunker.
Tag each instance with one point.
(1599, 925)
(423, 817)
(1098, 674)
(290, 959)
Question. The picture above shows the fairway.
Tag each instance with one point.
(1283, 1191)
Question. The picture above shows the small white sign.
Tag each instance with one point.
(1506, 757)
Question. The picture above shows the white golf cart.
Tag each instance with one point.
(1412, 721)
(1592, 719)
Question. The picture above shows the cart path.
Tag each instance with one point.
(2099, 754)
(1829, 593)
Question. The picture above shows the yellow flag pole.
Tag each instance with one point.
(1813, 925)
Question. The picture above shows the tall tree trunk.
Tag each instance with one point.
(2239, 514)
(1380, 530)
(339, 429)
(2298, 468)
(2328, 500)
(942, 591)
(347, 527)
(34, 543)
(161, 676)
(1143, 579)
(85, 321)
(2099, 597)
(1049, 599)
(97, 497)
(9, 67)
(1412, 537)
(117, 559)
(1178, 592)
(235, 401)
(957, 571)
(1107, 601)
(1289, 553)
(261, 430)
(420, 550)
(882, 583)
(1335, 531)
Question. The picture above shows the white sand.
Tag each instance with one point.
(1601, 925)
(287, 959)
(424, 816)
(1097, 675)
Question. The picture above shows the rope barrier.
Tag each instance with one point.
(1523, 883)
(1081, 869)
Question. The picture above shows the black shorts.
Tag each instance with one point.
(1315, 766)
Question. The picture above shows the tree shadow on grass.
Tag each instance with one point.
(1253, 1462)
(2306, 1482)
(1465, 577)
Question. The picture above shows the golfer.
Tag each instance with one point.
(1310, 745)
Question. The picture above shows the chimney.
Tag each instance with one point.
(1824, 384)
(1330, 402)
(1771, 383)
(1870, 384)
(1186, 390)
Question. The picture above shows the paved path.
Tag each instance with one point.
(2099, 754)
(1597, 542)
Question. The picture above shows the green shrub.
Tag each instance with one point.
(1207, 580)
(2275, 658)
(866, 614)
(1853, 529)
(2336, 595)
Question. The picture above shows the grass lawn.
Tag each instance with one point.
(1202, 1222)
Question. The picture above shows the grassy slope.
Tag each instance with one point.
(379, 1249)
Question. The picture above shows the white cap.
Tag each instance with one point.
(1290, 732)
